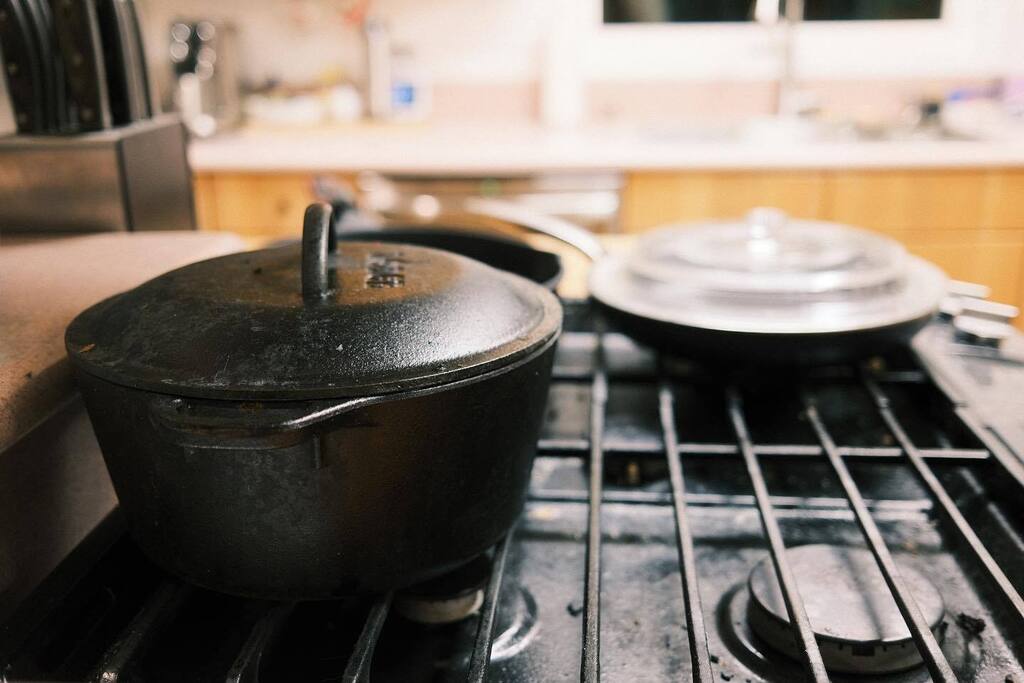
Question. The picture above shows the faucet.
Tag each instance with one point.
(377, 43)
(790, 13)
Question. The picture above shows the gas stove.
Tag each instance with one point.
(667, 499)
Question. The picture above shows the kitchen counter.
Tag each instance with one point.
(47, 280)
(479, 149)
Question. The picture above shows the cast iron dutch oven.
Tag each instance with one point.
(301, 423)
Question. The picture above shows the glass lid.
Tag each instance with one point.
(769, 274)
(769, 253)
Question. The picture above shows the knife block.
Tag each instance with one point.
(134, 177)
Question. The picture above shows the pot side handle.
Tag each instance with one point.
(241, 424)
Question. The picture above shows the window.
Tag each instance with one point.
(655, 11)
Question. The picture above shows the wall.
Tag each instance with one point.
(472, 41)
(461, 40)
(494, 48)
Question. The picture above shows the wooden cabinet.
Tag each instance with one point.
(901, 200)
(994, 258)
(254, 204)
(652, 199)
(968, 221)
(1004, 193)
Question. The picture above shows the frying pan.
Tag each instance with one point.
(752, 342)
(502, 253)
(497, 251)
(752, 348)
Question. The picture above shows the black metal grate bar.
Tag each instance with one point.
(481, 657)
(919, 629)
(158, 610)
(809, 504)
(590, 660)
(1007, 461)
(790, 594)
(946, 504)
(700, 376)
(246, 668)
(699, 655)
(580, 447)
(360, 663)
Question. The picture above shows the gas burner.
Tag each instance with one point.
(448, 598)
(856, 622)
(517, 623)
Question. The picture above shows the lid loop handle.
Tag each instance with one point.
(766, 222)
(316, 244)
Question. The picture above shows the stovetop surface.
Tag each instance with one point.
(565, 602)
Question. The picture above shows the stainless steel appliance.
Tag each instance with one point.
(665, 497)
(133, 177)
(91, 150)
(590, 200)
(207, 87)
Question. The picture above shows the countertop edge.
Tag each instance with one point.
(442, 152)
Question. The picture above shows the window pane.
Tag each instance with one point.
(842, 10)
(628, 11)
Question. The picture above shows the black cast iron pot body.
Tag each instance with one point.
(227, 495)
(410, 471)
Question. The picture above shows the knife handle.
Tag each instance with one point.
(78, 36)
(21, 68)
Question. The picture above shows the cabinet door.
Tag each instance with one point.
(262, 204)
(1005, 200)
(906, 200)
(256, 204)
(653, 199)
(991, 257)
(205, 192)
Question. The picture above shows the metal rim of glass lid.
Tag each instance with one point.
(769, 274)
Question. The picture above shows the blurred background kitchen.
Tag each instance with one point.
(903, 117)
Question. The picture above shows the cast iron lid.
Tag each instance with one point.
(310, 321)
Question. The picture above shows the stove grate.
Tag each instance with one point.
(600, 445)
(595, 447)
(919, 629)
(673, 449)
(790, 594)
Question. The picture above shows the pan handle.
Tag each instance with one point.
(562, 230)
(243, 424)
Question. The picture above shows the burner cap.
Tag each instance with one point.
(855, 619)
(448, 598)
